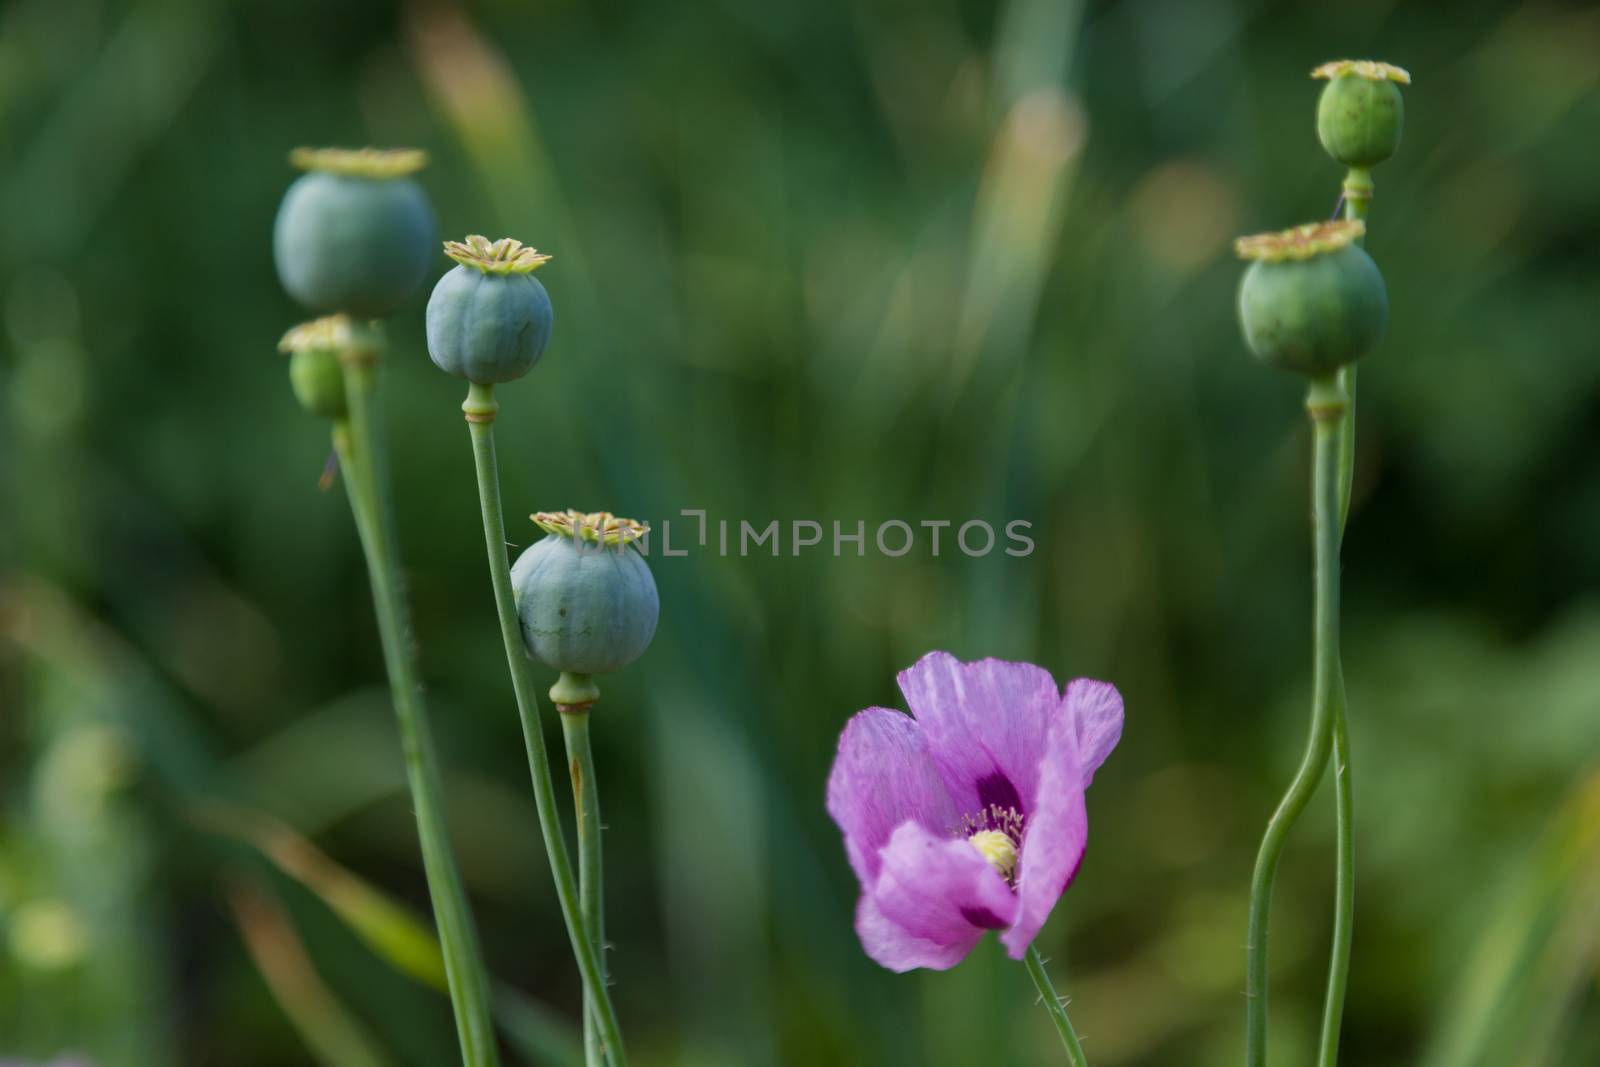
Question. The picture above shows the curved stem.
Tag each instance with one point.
(1326, 406)
(586, 802)
(1357, 199)
(480, 409)
(359, 442)
(1053, 1005)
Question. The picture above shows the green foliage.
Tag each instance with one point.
(837, 260)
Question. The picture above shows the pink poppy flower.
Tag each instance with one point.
(968, 815)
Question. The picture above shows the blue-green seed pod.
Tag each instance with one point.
(489, 319)
(585, 596)
(1360, 113)
(1313, 300)
(355, 233)
(315, 373)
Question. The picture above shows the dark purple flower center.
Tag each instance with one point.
(995, 830)
(999, 808)
(984, 918)
(996, 791)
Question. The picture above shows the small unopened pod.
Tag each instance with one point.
(355, 233)
(585, 596)
(1312, 300)
(489, 319)
(315, 373)
(1360, 112)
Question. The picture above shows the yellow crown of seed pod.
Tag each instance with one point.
(1371, 69)
(329, 333)
(375, 163)
(505, 256)
(1300, 242)
(596, 527)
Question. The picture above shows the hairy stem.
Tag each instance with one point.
(480, 409)
(359, 442)
(1053, 1005)
(1326, 405)
(586, 802)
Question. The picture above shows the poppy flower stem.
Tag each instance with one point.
(358, 439)
(1327, 406)
(1344, 886)
(586, 802)
(1053, 1005)
(1357, 198)
(480, 409)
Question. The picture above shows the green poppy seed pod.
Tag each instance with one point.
(1360, 112)
(585, 596)
(1312, 300)
(354, 233)
(489, 319)
(315, 373)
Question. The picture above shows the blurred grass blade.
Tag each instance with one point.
(334, 1036)
(1021, 203)
(302, 772)
(393, 932)
(390, 930)
(1538, 955)
(1034, 46)
(1022, 195)
(472, 83)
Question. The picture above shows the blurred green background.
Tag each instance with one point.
(840, 260)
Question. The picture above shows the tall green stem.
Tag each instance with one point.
(1344, 886)
(1326, 404)
(1053, 1005)
(1357, 198)
(586, 801)
(359, 441)
(480, 409)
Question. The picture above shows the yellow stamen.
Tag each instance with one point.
(998, 849)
